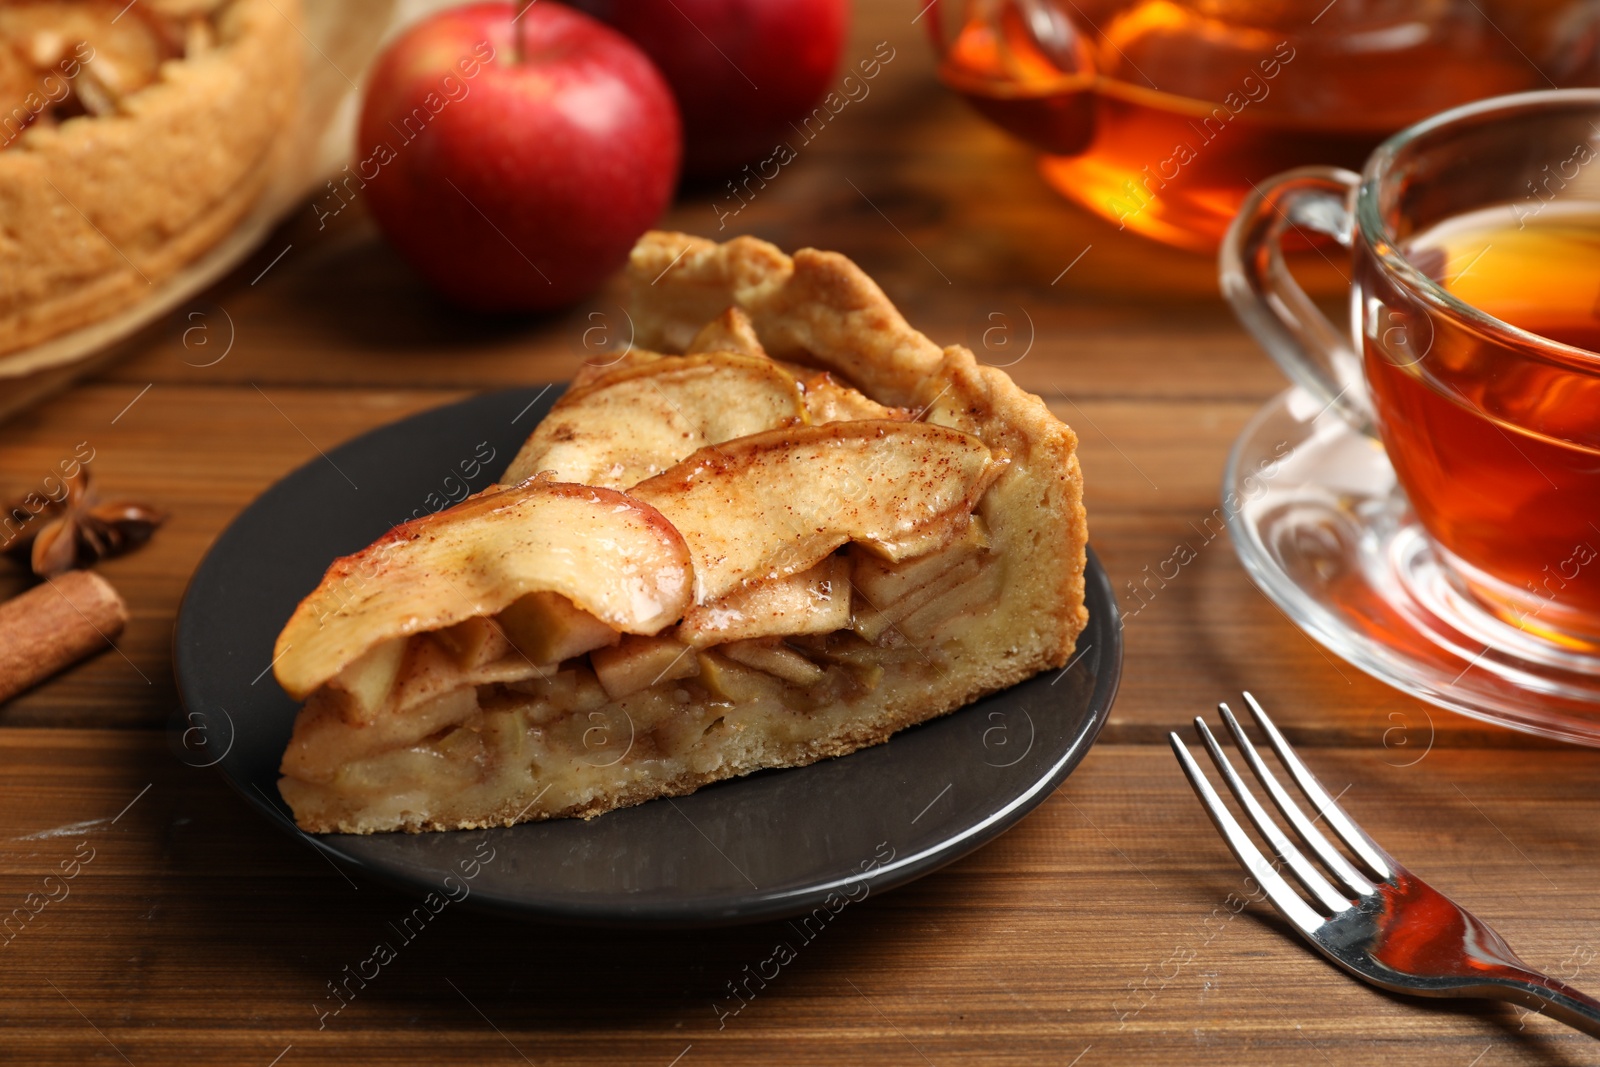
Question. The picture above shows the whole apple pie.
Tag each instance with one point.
(133, 137)
(785, 528)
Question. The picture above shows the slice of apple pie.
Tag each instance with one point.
(787, 528)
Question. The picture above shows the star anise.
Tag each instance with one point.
(78, 530)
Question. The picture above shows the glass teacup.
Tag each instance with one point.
(1472, 346)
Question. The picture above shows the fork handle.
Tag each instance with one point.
(1546, 995)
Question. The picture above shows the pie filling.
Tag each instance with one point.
(479, 711)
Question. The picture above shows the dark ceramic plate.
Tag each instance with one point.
(771, 844)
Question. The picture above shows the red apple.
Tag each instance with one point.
(743, 70)
(514, 163)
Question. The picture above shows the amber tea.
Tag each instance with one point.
(1500, 452)
(1161, 115)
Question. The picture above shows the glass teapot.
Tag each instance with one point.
(1160, 114)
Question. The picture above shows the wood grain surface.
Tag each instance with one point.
(1108, 927)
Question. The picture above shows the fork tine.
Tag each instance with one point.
(1343, 869)
(1361, 844)
(1289, 903)
(1318, 886)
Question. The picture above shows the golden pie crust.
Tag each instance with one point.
(141, 143)
(996, 598)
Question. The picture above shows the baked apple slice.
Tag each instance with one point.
(830, 400)
(636, 421)
(614, 558)
(776, 503)
(815, 601)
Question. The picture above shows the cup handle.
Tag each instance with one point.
(1314, 353)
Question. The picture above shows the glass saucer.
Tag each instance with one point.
(1322, 527)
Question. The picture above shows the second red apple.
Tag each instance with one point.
(743, 70)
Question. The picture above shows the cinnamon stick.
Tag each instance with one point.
(54, 625)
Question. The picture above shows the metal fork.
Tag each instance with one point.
(1384, 924)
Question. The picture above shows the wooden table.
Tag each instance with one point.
(1102, 929)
